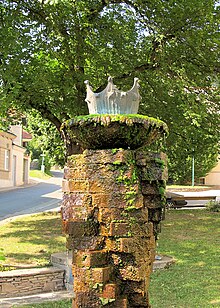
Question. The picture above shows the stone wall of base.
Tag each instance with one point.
(31, 281)
(112, 207)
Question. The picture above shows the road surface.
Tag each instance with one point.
(37, 198)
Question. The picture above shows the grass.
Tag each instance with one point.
(192, 238)
(58, 304)
(39, 174)
(30, 240)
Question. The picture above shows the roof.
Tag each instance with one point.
(7, 135)
(26, 136)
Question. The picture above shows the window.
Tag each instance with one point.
(7, 158)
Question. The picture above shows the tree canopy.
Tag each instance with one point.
(50, 47)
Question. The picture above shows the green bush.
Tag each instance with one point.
(213, 206)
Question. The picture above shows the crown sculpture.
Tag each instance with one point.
(113, 101)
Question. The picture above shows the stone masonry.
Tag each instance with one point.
(31, 281)
(111, 211)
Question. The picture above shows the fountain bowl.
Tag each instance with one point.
(107, 131)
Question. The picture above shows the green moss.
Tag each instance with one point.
(106, 119)
(161, 190)
(130, 208)
(117, 162)
(160, 162)
(106, 301)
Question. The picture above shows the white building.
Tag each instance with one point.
(213, 177)
(14, 161)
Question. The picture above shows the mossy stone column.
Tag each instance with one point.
(112, 207)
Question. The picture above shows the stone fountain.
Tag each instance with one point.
(114, 195)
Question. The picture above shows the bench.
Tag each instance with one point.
(175, 200)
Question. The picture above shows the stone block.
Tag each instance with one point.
(155, 215)
(139, 215)
(100, 200)
(81, 229)
(8, 288)
(101, 274)
(150, 188)
(85, 242)
(76, 206)
(75, 186)
(152, 254)
(143, 230)
(77, 200)
(97, 187)
(90, 258)
(88, 299)
(112, 244)
(152, 242)
(107, 156)
(121, 302)
(152, 202)
(143, 158)
(110, 290)
(152, 173)
(115, 199)
(137, 246)
(138, 300)
(134, 286)
(119, 229)
(132, 273)
(75, 174)
(107, 215)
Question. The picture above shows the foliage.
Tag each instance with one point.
(2, 257)
(48, 49)
(191, 237)
(46, 140)
(213, 206)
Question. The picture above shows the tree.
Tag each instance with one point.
(49, 48)
(46, 140)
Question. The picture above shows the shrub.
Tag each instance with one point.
(213, 206)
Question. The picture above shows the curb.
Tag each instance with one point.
(35, 299)
(11, 188)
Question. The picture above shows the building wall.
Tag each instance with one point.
(17, 130)
(14, 163)
(5, 175)
(213, 177)
(18, 165)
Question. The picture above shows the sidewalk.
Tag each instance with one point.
(35, 299)
(55, 179)
(32, 182)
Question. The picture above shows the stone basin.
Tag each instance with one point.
(115, 131)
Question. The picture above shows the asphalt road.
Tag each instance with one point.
(37, 198)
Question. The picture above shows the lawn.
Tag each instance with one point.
(30, 240)
(39, 174)
(192, 237)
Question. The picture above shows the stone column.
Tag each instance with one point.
(112, 206)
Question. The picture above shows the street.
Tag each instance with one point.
(34, 199)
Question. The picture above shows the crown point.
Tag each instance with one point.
(113, 101)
